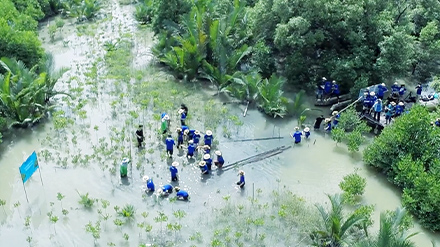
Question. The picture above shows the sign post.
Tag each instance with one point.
(27, 169)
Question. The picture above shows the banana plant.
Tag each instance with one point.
(246, 86)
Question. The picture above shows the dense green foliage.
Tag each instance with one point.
(353, 186)
(407, 152)
(81, 9)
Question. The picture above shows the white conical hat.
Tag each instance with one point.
(218, 153)
(202, 163)
(306, 129)
(206, 156)
(241, 172)
(180, 111)
(197, 132)
(175, 163)
(166, 117)
(209, 133)
(401, 104)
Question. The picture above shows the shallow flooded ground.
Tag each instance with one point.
(81, 147)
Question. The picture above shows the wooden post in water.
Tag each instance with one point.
(253, 192)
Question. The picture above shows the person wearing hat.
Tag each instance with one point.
(170, 145)
(307, 132)
(174, 171)
(437, 122)
(377, 107)
(366, 103)
(150, 184)
(203, 167)
(208, 138)
(241, 182)
(208, 160)
(402, 90)
(318, 122)
(140, 135)
(320, 89)
(165, 123)
(220, 161)
(419, 90)
(182, 116)
(191, 134)
(335, 89)
(196, 137)
(123, 168)
(328, 122)
(191, 149)
(206, 149)
(389, 112)
(336, 117)
(381, 90)
(186, 135)
(297, 135)
(184, 108)
(179, 137)
(399, 109)
(167, 189)
(395, 88)
(373, 99)
(327, 89)
(181, 194)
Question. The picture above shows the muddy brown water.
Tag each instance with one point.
(311, 170)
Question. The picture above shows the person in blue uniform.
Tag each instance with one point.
(297, 135)
(196, 137)
(241, 182)
(203, 167)
(327, 89)
(191, 134)
(150, 184)
(208, 138)
(381, 90)
(208, 161)
(373, 99)
(399, 109)
(402, 90)
(366, 103)
(174, 171)
(206, 149)
(181, 194)
(328, 123)
(390, 110)
(167, 189)
(307, 132)
(336, 117)
(395, 88)
(184, 108)
(179, 137)
(437, 122)
(419, 90)
(377, 108)
(335, 89)
(182, 116)
(191, 149)
(170, 145)
(219, 161)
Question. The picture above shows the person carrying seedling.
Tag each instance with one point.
(165, 123)
(208, 138)
(170, 145)
(174, 171)
(182, 116)
(191, 149)
(167, 189)
(150, 184)
(297, 135)
(307, 132)
(208, 160)
(241, 182)
(123, 168)
(140, 135)
(196, 137)
(179, 137)
(203, 167)
(181, 194)
(220, 161)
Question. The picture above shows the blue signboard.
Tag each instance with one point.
(29, 167)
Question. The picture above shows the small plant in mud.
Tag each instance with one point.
(95, 230)
(27, 221)
(60, 198)
(52, 29)
(3, 203)
(86, 201)
(128, 212)
(353, 186)
(54, 219)
(126, 236)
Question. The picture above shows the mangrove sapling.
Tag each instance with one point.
(118, 223)
(53, 219)
(353, 186)
(161, 218)
(16, 205)
(95, 230)
(27, 221)
(3, 203)
(85, 200)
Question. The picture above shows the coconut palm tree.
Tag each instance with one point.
(335, 229)
(390, 233)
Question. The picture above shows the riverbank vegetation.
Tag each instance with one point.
(407, 153)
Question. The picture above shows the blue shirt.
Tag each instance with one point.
(297, 136)
(242, 179)
(191, 133)
(163, 115)
(150, 184)
(328, 87)
(167, 188)
(367, 100)
(191, 148)
(220, 160)
(402, 91)
(419, 90)
(170, 143)
(208, 140)
(336, 120)
(329, 127)
(208, 163)
(182, 193)
(180, 136)
(307, 134)
(377, 106)
(184, 127)
(173, 171)
(437, 123)
(395, 88)
(196, 139)
(399, 109)
(372, 100)
(182, 116)
(204, 168)
(381, 90)
(336, 89)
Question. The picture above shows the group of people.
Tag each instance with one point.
(297, 135)
(327, 89)
(186, 138)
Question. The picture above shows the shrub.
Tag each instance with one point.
(353, 186)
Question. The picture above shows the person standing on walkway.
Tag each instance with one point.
(241, 182)
(174, 171)
(402, 90)
(170, 145)
(381, 90)
(419, 90)
(328, 122)
(377, 107)
(140, 135)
